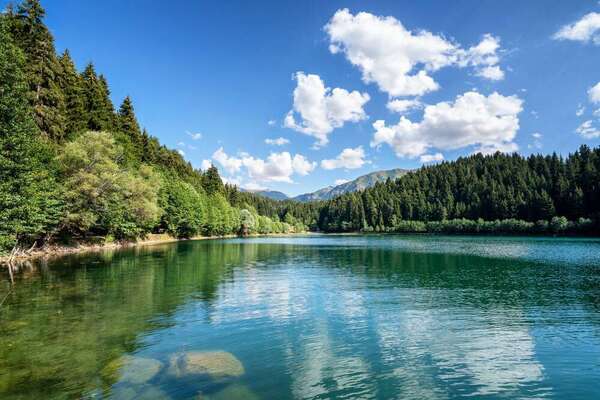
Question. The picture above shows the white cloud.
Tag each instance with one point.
(181, 144)
(597, 113)
(594, 93)
(322, 109)
(588, 130)
(277, 142)
(580, 110)
(472, 119)
(206, 164)
(230, 164)
(181, 152)
(587, 29)
(487, 149)
(537, 142)
(348, 159)
(338, 182)
(237, 181)
(403, 106)
(271, 122)
(428, 158)
(253, 186)
(194, 136)
(279, 167)
(400, 61)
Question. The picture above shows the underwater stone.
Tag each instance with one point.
(216, 364)
(131, 369)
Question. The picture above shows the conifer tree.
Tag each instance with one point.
(98, 106)
(212, 181)
(41, 69)
(71, 84)
(128, 125)
(29, 203)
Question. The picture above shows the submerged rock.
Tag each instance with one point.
(234, 392)
(215, 364)
(131, 369)
(139, 393)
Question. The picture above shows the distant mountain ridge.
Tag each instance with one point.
(360, 183)
(329, 192)
(272, 194)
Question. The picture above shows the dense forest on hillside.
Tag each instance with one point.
(71, 166)
(74, 167)
(512, 193)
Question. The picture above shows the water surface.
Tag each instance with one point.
(318, 317)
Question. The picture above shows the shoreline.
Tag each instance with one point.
(55, 251)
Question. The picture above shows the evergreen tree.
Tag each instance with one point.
(212, 181)
(98, 106)
(42, 68)
(29, 201)
(128, 126)
(71, 84)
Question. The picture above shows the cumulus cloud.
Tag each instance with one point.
(580, 110)
(229, 163)
(278, 167)
(194, 136)
(587, 29)
(587, 130)
(400, 61)
(487, 149)
(403, 106)
(348, 159)
(594, 93)
(489, 122)
(280, 141)
(338, 182)
(271, 122)
(181, 152)
(322, 109)
(253, 186)
(206, 164)
(429, 158)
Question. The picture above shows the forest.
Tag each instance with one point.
(72, 167)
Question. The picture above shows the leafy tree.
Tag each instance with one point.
(184, 208)
(103, 197)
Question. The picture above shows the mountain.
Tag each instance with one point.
(360, 183)
(271, 194)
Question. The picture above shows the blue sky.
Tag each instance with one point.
(481, 75)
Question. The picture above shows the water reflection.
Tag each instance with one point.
(343, 317)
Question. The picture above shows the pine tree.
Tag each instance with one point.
(42, 68)
(212, 182)
(29, 203)
(98, 106)
(71, 84)
(128, 125)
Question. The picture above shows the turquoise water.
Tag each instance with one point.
(316, 317)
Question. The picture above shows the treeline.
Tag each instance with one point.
(71, 166)
(495, 193)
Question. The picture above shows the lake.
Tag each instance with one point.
(308, 317)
